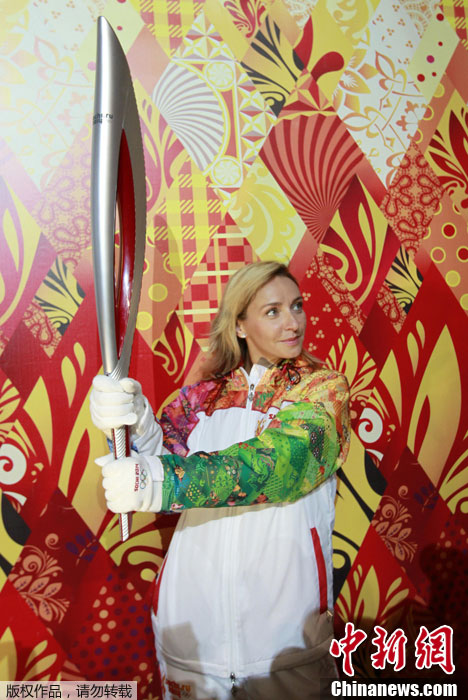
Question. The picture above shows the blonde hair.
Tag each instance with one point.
(226, 349)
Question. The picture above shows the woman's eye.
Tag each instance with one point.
(298, 306)
(272, 312)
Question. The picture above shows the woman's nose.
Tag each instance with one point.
(292, 322)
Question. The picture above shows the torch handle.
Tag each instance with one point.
(121, 447)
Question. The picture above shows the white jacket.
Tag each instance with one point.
(247, 589)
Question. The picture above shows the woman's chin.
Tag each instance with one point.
(289, 353)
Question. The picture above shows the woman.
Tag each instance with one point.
(244, 598)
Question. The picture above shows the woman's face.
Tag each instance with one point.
(275, 322)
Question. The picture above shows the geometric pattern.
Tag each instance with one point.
(456, 14)
(330, 135)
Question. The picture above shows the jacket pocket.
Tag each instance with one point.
(321, 570)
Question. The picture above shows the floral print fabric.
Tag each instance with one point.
(304, 444)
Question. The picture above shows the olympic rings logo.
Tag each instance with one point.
(143, 478)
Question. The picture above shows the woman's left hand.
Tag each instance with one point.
(132, 483)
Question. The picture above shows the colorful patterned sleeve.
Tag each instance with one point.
(304, 445)
(179, 418)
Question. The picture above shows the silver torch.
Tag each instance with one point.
(118, 204)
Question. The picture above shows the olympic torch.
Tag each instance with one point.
(118, 203)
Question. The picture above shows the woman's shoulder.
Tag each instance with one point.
(199, 389)
(201, 394)
(320, 377)
(310, 366)
(325, 373)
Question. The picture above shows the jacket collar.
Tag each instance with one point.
(287, 371)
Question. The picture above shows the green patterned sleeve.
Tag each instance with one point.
(302, 447)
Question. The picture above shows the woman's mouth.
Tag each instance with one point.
(292, 341)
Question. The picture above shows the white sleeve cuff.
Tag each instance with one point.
(150, 438)
(157, 477)
(156, 468)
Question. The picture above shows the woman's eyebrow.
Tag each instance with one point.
(271, 303)
(279, 303)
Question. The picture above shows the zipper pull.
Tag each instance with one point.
(234, 687)
(251, 392)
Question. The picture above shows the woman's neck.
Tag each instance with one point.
(248, 364)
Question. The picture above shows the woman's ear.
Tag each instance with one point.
(239, 331)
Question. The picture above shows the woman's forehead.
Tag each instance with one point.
(279, 289)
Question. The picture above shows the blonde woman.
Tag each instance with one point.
(243, 601)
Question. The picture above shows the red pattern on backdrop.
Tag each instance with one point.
(365, 250)
(412, 199)
(313, 159)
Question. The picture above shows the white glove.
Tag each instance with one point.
(115, 403)
(132, 483)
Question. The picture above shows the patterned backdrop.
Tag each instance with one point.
(331, 133)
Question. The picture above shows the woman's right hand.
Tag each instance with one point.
(117, 402)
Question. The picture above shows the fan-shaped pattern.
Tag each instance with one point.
(192, 110)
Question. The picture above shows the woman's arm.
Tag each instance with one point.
(304, 445)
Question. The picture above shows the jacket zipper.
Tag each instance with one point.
(232, 649)
(234, 688)
(233, 660)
